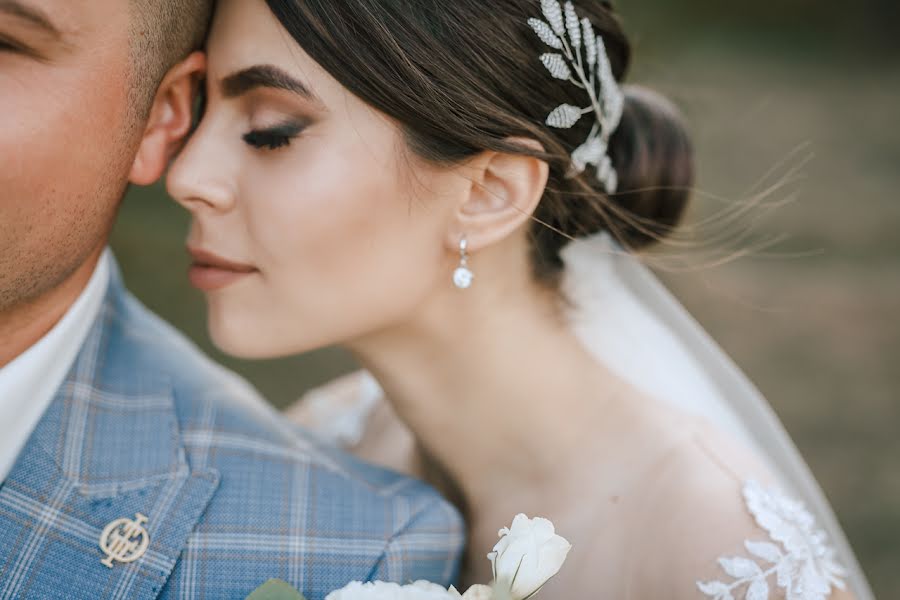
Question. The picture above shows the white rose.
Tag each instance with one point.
(528, 555)
(369, 591)
(379, 590)
(423, 590)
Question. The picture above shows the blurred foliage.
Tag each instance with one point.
(814, 321)
(863, 28)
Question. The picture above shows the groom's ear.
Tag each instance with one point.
(171, 117)
(506, 190)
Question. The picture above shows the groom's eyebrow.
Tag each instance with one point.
(31, 14)
(265, 76)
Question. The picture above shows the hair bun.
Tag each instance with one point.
(653, 155)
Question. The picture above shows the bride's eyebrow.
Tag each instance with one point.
(265, 76)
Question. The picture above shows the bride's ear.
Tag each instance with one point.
(170, 120)
(505, 191)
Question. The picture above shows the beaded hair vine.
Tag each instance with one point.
(582, 61)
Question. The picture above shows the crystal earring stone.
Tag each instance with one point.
(463, 277)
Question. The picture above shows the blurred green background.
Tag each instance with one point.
(814, 320)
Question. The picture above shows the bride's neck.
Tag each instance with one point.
(495, 387)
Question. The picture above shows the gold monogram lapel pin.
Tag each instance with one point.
(124, 540)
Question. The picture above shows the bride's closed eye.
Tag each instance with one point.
(273, 138)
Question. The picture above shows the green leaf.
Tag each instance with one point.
(276, 589)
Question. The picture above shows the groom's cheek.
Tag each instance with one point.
(64, 145)
(65, 142)
(64, 101)
(64, 106)
(61, 179)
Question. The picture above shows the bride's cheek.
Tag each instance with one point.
(302, 222)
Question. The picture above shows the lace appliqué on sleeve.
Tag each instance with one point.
(797, 554)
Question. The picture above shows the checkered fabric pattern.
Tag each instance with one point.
(233, 495)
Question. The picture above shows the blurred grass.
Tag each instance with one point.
(814, 322)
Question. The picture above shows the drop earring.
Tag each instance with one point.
(462, 277)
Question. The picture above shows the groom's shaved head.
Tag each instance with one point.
(162, 33)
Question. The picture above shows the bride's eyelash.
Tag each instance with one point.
(273, 138)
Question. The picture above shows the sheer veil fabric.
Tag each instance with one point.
(630, 322)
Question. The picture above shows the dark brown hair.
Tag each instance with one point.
(465, 76)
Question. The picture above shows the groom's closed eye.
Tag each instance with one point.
(32, 31)
(4, 45)
(31, 15)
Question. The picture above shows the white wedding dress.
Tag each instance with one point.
(631, 323)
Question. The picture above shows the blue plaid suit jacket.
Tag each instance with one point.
(145, 424)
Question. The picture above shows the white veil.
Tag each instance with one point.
(631, 323)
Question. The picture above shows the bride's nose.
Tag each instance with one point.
(200, 178)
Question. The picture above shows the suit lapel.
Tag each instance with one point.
(108, 448)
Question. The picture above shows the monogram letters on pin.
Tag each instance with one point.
(124, 540)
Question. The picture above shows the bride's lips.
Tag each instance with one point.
(210, 272)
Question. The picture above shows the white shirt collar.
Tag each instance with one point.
(29, 383)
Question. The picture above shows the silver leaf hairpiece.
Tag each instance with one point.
(584, 63)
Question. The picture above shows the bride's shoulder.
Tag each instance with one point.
(718, 526)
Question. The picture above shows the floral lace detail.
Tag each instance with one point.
(804, 564)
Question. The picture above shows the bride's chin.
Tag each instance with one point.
(239, 350)
(229, 336)
(239, 339)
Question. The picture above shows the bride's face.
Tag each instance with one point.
(336, 231)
